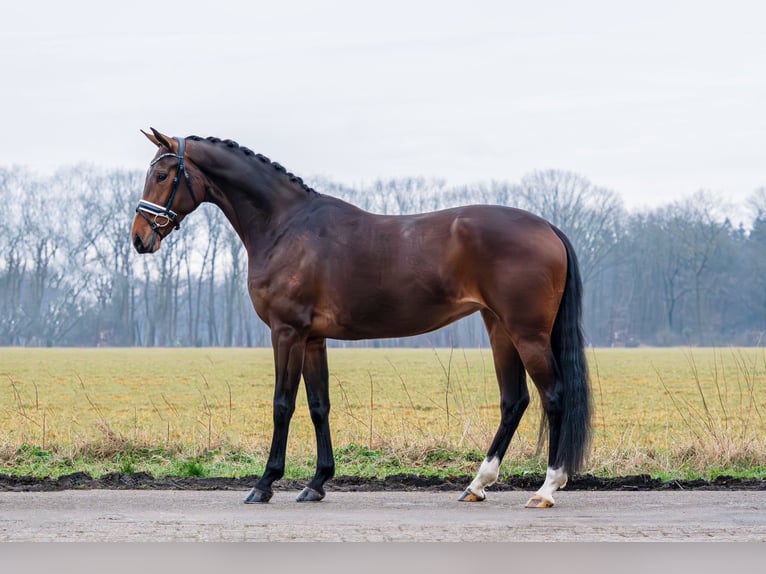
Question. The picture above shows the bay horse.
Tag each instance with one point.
(321, 268)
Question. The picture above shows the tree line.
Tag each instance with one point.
(688, 272)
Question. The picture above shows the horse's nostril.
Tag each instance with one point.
(139, 245)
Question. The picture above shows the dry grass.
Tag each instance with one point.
(657, 410)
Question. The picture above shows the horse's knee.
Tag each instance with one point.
(283, 411)
(319, 411)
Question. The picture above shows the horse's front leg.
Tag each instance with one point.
(289, 348)
(316, 377)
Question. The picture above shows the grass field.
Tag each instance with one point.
(672, 413)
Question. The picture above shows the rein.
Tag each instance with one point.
(158, 216)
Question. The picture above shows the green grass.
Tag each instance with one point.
(670, 413)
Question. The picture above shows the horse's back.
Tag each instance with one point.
(388, 276)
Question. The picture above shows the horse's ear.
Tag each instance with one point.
(151, 138)
(159, 139)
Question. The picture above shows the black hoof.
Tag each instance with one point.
(256, 496)
(309, 495)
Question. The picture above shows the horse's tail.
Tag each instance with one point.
(568, 344)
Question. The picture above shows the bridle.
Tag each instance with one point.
(158, 216)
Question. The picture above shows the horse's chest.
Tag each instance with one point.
(286, 297)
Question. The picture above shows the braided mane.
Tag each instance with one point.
(231, 144)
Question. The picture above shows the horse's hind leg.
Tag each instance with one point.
(540, 363)
(514, 399)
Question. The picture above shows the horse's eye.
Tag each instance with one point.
(162, 176)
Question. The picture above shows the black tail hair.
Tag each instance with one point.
(568, 345)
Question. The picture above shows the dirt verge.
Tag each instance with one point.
(144, 481)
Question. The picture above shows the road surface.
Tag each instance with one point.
(157, 515)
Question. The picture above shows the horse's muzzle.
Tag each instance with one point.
(143, 247)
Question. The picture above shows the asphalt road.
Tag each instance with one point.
(133, 515)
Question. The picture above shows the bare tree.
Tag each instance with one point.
(236, 302)
(105, 200)
(756, 201)
(678, 260)
(13, 263)
(703, 237)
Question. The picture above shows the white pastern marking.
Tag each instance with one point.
(555, 478)
(488, 473)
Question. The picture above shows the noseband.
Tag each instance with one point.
(158, 216)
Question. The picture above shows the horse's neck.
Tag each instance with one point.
(255, 202)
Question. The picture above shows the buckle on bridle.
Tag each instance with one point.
(156, 215)
(161, 220)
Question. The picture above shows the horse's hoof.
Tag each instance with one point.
(309, 495)
(469, 496)
(539, 502)
(257, 496)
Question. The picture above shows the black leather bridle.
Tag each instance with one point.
(158, 216)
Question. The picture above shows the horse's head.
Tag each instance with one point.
(163, 205)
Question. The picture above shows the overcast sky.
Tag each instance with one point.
(654, 100)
